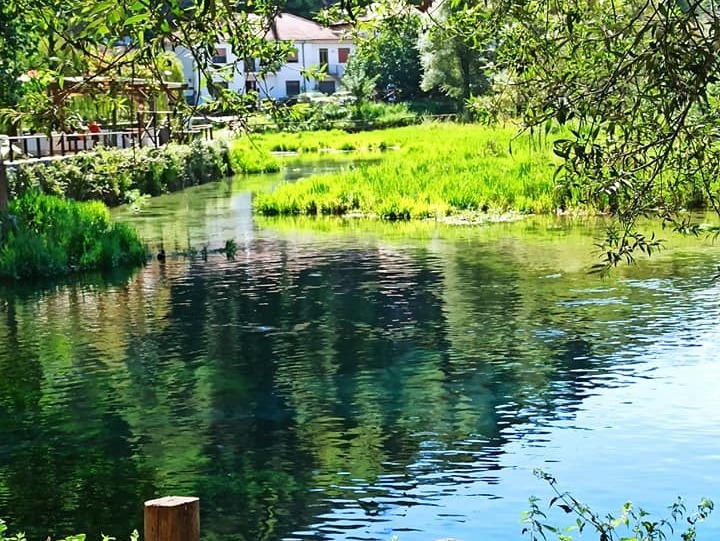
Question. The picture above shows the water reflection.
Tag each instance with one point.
(349, 384)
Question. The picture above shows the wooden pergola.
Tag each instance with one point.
(142, 93)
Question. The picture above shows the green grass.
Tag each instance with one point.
(311, 143)
(435, 171)
(248, 157)
(47, 235)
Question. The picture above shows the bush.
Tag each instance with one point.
(336, 111)
(111, 175)
(47, 235)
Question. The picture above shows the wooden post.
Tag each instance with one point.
(140, 128)
(4, 189)
(173, 518)
(5, 149)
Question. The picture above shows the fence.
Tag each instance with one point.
(148, 130)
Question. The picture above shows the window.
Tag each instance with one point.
(249, 65)
(292, 88)
(251, 86)
(220, 56)
(292, 55)
(324, 57)
(343, 53)
(326, 87)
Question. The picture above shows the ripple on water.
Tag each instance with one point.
(350, 388)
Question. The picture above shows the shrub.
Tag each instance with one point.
(337, 112)
(111, 175)
(47, 235)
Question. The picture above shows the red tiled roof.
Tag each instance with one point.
(288, 27)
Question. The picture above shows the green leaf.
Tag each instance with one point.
(140, 17)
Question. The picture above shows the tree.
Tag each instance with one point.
(16, 43)
(117, 40)
(635, 83)
(358, 80)
(455, 56)
(387, 43)
(304, 8)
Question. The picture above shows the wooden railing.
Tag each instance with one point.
(147, 131)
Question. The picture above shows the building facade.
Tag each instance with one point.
(315, 45)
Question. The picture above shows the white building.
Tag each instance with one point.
(315, 45)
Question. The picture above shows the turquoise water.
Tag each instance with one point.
(356, 380)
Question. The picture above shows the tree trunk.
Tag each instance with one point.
(465, 76)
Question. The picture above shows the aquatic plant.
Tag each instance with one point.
(436, 170)
(475, 169)
(230, 249)
(245, 157)
(46, 235)
(633, 524)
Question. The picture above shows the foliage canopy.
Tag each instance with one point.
(636, 81)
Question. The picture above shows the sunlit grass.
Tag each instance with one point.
(247, 157)
(433, 171)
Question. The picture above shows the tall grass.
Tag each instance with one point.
(46, 235)
(247, 157)
(438, 170)
(322, 141)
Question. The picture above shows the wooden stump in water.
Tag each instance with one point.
(173, 518)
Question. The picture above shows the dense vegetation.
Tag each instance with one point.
(342, 112)
(44, 235)
(119, 176)
(477, 170)
(474, 170)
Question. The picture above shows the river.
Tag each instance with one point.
(354, 379)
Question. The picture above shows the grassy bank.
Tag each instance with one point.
(433, 171)
(47, 236)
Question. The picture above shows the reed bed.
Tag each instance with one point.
(433, 171)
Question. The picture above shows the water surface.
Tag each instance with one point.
(356, 380)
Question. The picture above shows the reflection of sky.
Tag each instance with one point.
(649, 437)
(629, 442)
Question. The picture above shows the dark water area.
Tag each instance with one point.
(355, 380)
